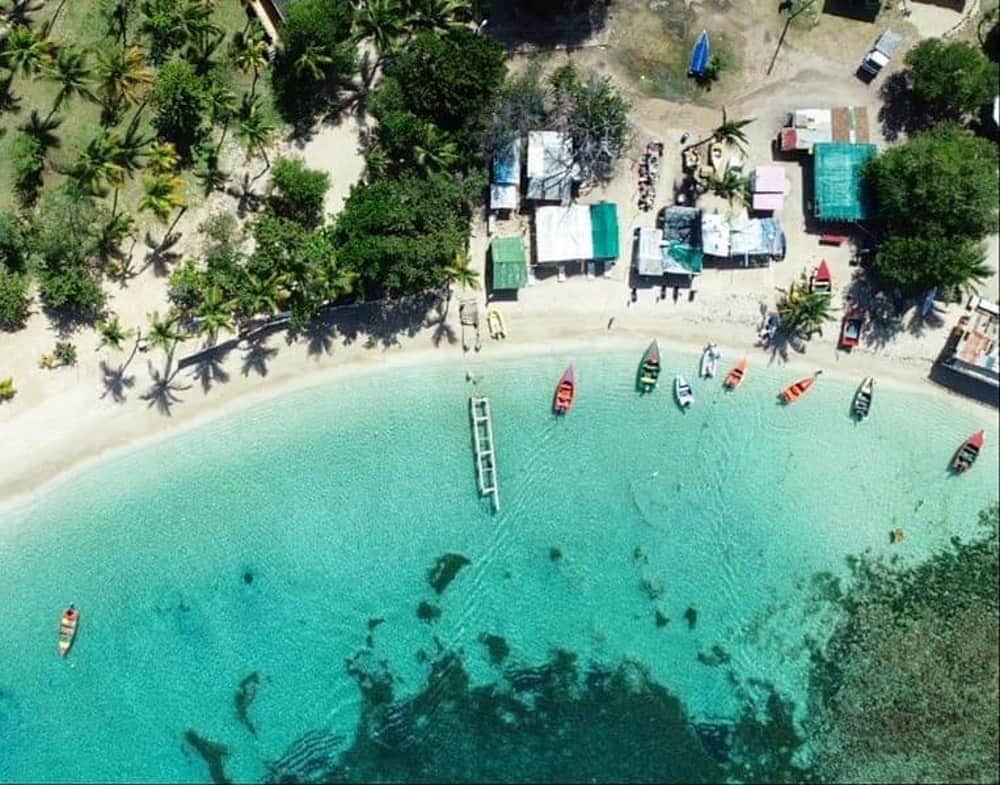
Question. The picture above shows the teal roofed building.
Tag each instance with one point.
(510, 264)
(840, 192)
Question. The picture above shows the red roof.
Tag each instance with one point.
(789, 138)
(823, 272)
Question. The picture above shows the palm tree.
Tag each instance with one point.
(730, 185)
(42, 131)
(208, 172)
(98, 167)
(311, 62)
(254, 129)
(113, 335)
(435, 151)
(162, 194)
(123, 77)
(222, 108)
(437, 15)
(7, 388)
(164, 335)
(26, 51)
(162, 158)
(260, 295)
(383, 22)
(73, 74)
(113, 234)
(801, 311)
(729, 132)
(460, 271)
(249, 54)
(214, 314)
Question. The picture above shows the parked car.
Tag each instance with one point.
(885, 48)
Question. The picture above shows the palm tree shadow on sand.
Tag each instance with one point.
(116, 383)
(256, 358)
(163, 392)
(210, 370)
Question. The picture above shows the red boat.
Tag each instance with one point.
(968, 452)
(797, 389)
(565, 391)
(851, 328)
(821, 280)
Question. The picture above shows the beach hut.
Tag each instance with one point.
(769, 188)
(510, 264)
(739, 238)
(550, 166)
(808, 127)
(505, 177)
(655, 255)
(841, 193)
(715, 235)
(576, 233)
(604, 231)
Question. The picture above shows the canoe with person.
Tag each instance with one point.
(565, 395)
(798, 388)
(861, 406)
(67, 629)
(967, 454)
(649, 368)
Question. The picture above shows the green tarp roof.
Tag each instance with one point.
(604, 230)
(690, 259)
(841, 193)
(510, 263)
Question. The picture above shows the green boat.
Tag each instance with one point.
(649, 369)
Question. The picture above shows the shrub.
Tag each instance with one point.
(14, 299)
(29, 165)
(179, 98)
(297, 191)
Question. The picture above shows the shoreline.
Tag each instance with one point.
(108, 432)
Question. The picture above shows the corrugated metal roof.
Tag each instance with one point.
(510, 263)
(841, 194)
(604, 229)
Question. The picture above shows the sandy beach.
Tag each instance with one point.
(67, 417)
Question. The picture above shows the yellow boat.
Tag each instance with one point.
(496, 324)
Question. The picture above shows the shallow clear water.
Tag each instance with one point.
(337, 501)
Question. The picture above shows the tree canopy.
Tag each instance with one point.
(920, 263)
(180, 99)
(951, 78)
(297, 192)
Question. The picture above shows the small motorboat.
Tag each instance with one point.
(821, 280)
(649, 368)
(862, 405)
(67, 629)
(701, 55)
(798, 388)
(851, 327)
(495, 323)
(683, 392)
(565, 391)
(966, 455)
(709, 361)
(735, 376)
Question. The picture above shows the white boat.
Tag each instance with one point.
(683, 393)
(709, 361)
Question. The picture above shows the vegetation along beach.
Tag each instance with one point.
(470, 391)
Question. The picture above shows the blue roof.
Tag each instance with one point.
(507, 164)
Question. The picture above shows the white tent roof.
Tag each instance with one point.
(550, 165)
(715, 234)
(503, 197)
(649, 251)
(563, 234)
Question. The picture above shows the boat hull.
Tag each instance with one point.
(649, 369)
(68, 623)
(736, 376)
(683, 393)
(966, 455)
(565, 395)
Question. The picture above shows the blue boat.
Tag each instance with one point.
(700, 56)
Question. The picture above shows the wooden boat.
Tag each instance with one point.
(798, 388)
(565, 395)
(821, 280)
(683, 392)
(709, 361)
(649, 368)
(851, 327)
(735, 377)
(701, 55)
(862, 405)
(495, 323)
(966, 455)
(67, 629)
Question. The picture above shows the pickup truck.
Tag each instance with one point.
(886, 46)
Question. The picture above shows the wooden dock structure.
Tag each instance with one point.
(482, 440)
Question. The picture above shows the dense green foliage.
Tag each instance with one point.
(29, 166)
(400, 235)
(803, 312)
(180, 100)
(951, 78)
(937, 198)
(14, 299)
(297, 191)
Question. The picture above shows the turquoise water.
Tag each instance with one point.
(267, 541)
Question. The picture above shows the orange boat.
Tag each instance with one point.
(735, 377)
(565, 391)
(797, 389)
(67, 629)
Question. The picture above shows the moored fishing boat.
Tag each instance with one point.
(798, 388)
(709, 361)
(495, 323)
(736, 375)
(565, 395)
(67, 629)
(649, 368)
(701, 55)
(851, 327)
(821, 280)
(967, 454)
(862, 404)
(683, 392)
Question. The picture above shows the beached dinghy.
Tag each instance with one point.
(735, 377)
(67, 629)
(862, 405)
(495, 324)
(797, 389)
(649, 368)
(701, 55)
(968, 452)
(683, 392)
(565, 395)
(709, 361)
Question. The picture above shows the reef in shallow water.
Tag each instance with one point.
(445, 569)
(244, 698)
(213, 753)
